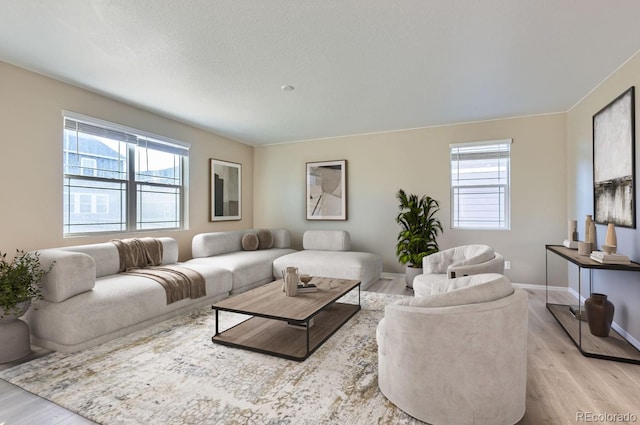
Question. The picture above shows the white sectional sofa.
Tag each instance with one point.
(328, 253)
(249, 268)
(87, 302)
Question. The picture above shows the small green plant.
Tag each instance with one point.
(420, 228)
(20, 280)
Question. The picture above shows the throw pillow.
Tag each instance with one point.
(265, 239)
(250, 242)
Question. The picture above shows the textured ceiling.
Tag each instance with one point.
(357, 66)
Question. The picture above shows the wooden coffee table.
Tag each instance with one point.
(288, 327)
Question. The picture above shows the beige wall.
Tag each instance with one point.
(623, 288)
(31, 161)
(418, 161)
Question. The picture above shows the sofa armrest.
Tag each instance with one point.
(495, 265)
(72, 274)
(435, 263)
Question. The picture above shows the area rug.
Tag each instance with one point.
(171, 373)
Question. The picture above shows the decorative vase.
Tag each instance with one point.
(573, 230)
(587, 225)
(410, 273)
(599, 314)
(290, 278)
(611, 238)
(591, 234)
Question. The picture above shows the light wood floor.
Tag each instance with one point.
(562, 384)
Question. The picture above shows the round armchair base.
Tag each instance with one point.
(14, 341)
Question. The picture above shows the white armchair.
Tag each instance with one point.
(442, 266)
(458, 357)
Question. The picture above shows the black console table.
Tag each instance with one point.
(572, 318)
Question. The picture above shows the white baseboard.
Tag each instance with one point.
(387, 275)
(614, 325)
(542, 287)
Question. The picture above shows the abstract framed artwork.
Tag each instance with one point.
(225, 183)
(327, 190)
(614, 162)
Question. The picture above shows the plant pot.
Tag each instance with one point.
(410, 273)
(599, 314)
(14, 334)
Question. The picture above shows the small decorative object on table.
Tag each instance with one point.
(305, 279)
(599, 314)
(611, 239)
(572, 234)
(305, 286)
(308, 288)
(290, 281)
(584, 248)
(605, 258)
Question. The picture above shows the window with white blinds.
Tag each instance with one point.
(119, 179)
(480, 184)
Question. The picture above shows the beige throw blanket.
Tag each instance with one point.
(143, 256)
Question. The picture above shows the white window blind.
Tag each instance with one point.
(119, 179)
(480, 184)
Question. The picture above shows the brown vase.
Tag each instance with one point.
(599, 314)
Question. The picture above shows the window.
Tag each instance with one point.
(118, 179)
(480, 185)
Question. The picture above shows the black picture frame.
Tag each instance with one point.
(225, 184)
(614, 162)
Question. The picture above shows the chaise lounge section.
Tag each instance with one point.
(88, 302)
(328, 253)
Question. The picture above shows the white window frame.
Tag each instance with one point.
(95, 199)
(132, 183)
(502, 186)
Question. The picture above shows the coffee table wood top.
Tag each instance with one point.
(270, 301)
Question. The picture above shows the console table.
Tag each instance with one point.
(572, 318)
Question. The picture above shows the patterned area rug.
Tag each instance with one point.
(171, 373)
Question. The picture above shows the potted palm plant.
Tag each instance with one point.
(420, 228)
(20, 281)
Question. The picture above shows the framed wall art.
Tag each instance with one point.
(225, 183)
(327, 190)
(614, 162)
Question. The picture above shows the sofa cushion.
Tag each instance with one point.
(472, 289)
(73, 273)
(265, 239)
(115, 303)
(326, 240)
(247, 267)
(250, 242)
(218, 243)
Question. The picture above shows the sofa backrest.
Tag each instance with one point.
(474, 289)
(218, 243)
(76, 267)
(327, 240)
(107, 259)
(472, 254)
